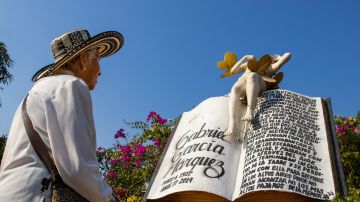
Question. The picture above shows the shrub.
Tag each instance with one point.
(348, 133)
(3, 139)
(128, 165)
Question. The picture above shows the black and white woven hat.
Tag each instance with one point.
(69, 45)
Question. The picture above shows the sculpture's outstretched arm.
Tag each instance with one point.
(278, 64)
(241, 64)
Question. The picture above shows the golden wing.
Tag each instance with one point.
(264, 64)
(230, 58)
(252, 65)
(278, 77)
(226, 64)
(222, 65)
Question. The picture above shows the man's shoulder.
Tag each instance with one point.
(60, 80)
(52, 84)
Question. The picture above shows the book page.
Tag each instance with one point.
(286, 148)
(197, 158)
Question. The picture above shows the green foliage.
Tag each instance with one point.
(128, 166)
(348, 132)
(5, 64)
(3, 139)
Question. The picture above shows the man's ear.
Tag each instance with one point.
(83, 60)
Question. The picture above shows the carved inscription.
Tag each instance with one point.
(191, 153)
(281, 142)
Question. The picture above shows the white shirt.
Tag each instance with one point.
(60, 109)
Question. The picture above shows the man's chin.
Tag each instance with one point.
(91, 87)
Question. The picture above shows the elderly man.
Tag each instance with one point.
(60, 109)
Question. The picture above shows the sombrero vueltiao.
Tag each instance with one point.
(69, 45)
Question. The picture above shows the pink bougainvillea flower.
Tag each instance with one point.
(340, 130)
(126, 152)
(125, 149)
(114, 161)
(151, 114)
(139, 150)
(162, 121)
(137, 163)
(120, 133)
(126, 157)
(100, 150)
(112, 174)
(155, 118)
(157, 141)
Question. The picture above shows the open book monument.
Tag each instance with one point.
(284, 150)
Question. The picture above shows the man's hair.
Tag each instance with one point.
(91, 53)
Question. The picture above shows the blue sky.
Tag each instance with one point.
(168, 62)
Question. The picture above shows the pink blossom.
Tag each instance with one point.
(155, 118)
(100, 150)
(114, 161)
(137, 163)
(139, 150)
(162, 121)
(126, 157)
(340, 130)
(151, 114)
(156, 141)
(120, 133)
(126, 152)
(112, 174)
(125, 149)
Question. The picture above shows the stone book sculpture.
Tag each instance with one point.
(286, 152)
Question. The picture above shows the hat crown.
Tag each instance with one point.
(65, 43)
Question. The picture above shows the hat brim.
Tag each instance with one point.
(108, 43)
